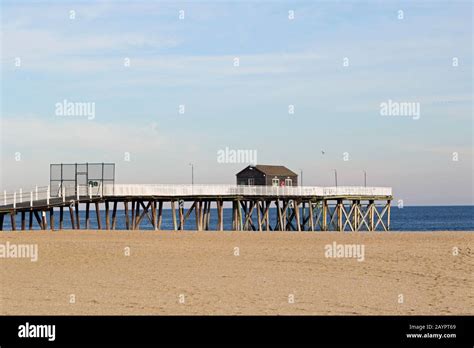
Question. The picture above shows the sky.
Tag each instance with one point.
(142, 63)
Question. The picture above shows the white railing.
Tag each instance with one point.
(22, 197)
(232, 190)
(45, 195)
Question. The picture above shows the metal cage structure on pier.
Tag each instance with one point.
(80, 176)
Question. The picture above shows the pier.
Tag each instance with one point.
(299, 208)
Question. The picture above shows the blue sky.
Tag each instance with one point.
(282, 62)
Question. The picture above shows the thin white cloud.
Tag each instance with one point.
(48, 48)
(80, 135)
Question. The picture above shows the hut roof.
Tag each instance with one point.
(272, 170)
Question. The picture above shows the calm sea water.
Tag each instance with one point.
(453, 218)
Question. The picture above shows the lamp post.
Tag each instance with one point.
(335, 176)
(303, 205)
(365, 178)
(192, 173)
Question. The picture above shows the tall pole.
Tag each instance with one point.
(192, 173)
(365, 178)
(303, 205)
(335, 176)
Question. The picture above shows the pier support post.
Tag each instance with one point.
(181, 215)
(218, 226)
(160, 214)
(324, 215)
(97, 212)
(71, 213)
(78, 220)
(61, 217)
(259, 215)
(355, 215)
(247, 215)
(339, 215)
(266, 215)
(233, 216)
(388, 214)
(153, 215)
(44, 223)
(204, 216)
(133, 215)
(279, 216)
(208, 221)
(107, 220)
(200, 205)
(51, 219)
(221, 214)
(173, 212)
(296, 207)
(114, 215)
(239, 216)
(137, 216)
(87, 216)
(359, 216)
(23, 220)
(127, 220)
(13, 220)
(303, 218)
(372, 215)
(196, 214)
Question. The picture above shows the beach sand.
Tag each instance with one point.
(274, 273)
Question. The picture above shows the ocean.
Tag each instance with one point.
(419, 218)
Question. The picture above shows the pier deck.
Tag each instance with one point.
(343, 208)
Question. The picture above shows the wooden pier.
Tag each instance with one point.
(348, 208)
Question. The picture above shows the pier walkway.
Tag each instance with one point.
(300, 208)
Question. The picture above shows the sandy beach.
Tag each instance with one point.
(122, 272)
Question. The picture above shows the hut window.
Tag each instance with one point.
(251, 181)
(288, 182)
(275, 182)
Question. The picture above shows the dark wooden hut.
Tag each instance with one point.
(267, 175)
